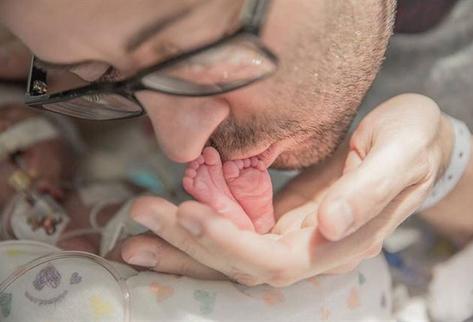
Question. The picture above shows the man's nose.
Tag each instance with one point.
(183, 125)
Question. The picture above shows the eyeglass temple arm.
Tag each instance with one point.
(254, 14)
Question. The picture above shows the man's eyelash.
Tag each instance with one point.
(44, 66)
(110, 75)
(57, 67)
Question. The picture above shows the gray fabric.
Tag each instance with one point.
(438, 63)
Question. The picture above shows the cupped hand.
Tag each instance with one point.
(394, 158)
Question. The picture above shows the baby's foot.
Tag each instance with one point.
(204, 180)
(251, 186)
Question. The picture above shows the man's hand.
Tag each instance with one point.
(393, 160)
(395, 156)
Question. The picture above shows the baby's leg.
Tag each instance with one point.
(91, 209)
(81, 234)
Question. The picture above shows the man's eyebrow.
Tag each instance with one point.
(151, 30)
(142, 36)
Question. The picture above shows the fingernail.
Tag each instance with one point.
(145, 259)
(342, 217)
(191, 225)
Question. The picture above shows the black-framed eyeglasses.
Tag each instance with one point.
(235, 60)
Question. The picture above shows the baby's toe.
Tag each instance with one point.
(188, 184)
(194, 165)
(246, 163)
(200, 160)
(231, 170)
(240, 164)
(191, 173)
(260, 166)
(211, 156)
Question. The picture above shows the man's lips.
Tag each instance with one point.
(268, 155)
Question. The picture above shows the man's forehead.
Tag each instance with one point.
(203, 10)
(170, 11)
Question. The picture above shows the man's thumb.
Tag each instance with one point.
(364, 190)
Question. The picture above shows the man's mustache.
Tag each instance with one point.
(231, 136)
